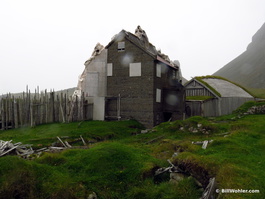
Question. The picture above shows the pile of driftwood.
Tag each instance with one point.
(7, 147)
(26, 151)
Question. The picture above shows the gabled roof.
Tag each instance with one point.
(146, 46)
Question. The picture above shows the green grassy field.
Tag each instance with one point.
(120, 162)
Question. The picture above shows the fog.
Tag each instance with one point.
(45, 43)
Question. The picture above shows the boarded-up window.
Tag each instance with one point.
(158, 70)
(135, 69)
(121, 46)
(158, 95)
(109, 69)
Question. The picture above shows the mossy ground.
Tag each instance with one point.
(122, 162)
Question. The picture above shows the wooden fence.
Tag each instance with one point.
(40, 108)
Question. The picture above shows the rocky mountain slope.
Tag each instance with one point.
(248, 68)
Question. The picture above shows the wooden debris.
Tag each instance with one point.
(62, 142)
(169, 169)
(203, 143)
(7, 147)
(25, 150)
(83, 140)
(209, 192)
(67, 144)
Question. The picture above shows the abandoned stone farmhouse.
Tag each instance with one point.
(213, 96)
(130, 79)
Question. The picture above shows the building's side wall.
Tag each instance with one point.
(171, 106)
(94, 84)
(95, 81)
(194, 108)
(136, 92)
(210, 108)
(216, 106)
(229, 104)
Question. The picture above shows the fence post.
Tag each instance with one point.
(15, 112)
(61, 107)
(3, 113)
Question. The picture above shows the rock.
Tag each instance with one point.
(181, 128)
(256, 110)
(145, 131)
(176, 177)
(92, 196)
(175, 155)
(193, 130)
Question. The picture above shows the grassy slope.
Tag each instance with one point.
(122, 166)
(258, 92)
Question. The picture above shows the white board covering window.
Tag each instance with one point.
(109, 69)
(158, 70)
(135, 69)
(121, 46)
(158, 95)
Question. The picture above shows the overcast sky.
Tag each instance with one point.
(46, 42)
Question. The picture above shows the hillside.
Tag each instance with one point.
(248, 68)
(123, 161)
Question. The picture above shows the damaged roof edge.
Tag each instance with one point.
(151, 50)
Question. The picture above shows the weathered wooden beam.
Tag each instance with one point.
(210, 190)
(61, 142)
(83, 140)
(61, 108)
(205, 143)
(15, 112)
(9, 150)
(67, 144)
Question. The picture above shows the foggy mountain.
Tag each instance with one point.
(248, 69)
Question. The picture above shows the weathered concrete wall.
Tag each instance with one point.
(95, 81)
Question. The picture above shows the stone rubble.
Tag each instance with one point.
(255, 110)
(198, 129)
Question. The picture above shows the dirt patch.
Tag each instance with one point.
(194, 170)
